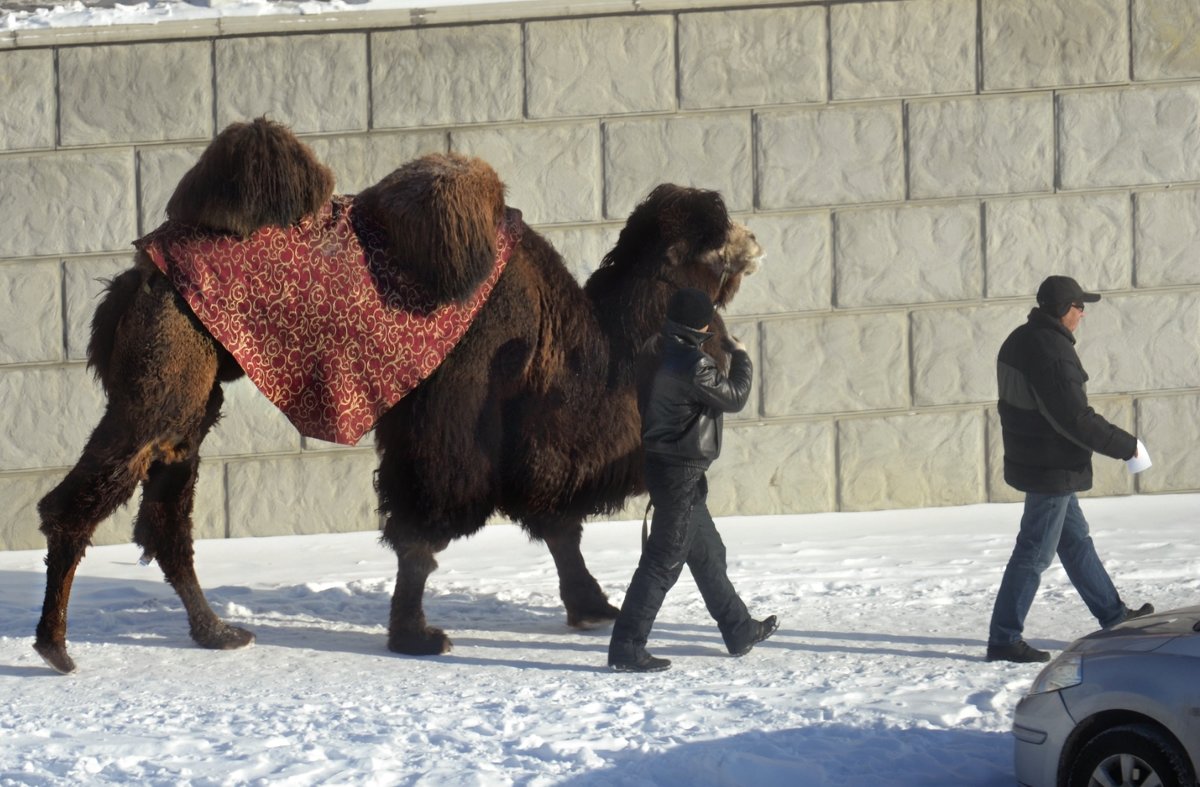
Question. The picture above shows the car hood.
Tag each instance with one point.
(1144, 634)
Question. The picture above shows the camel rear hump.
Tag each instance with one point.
(440, 214)
(253, 175)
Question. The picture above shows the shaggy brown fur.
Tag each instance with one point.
(255, 174)
(532, 415)
(460, 236)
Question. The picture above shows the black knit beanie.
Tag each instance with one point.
(690, 307)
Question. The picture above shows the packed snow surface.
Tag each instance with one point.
(45, 14)
(876, 676)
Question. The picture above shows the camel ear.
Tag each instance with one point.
(440, 214)
(252, 175)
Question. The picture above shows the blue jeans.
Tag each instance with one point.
(1050, 524)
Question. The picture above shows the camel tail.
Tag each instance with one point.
(252, 175)
(119, 295)
(440, 214)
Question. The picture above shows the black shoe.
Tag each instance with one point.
(1140, 612)
(643, 662)
(1018, 652)
(765, 629)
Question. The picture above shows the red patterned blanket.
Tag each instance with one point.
(314, 315)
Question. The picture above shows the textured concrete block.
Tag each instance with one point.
(582, 248)
(1087, 237)
(1141, 342)
(27, 112)
(1166, 39)
(796, 273)
(907, 255)
(992, 145)
(84, 281)
(1109, 476)
(830, 156)
(752, 57)
(31, 327)
(954, 352)
(1128, 137)
(747, 332)
(135, 93)
(1036, 43)
(1168, 238)
(835, 364)
(360, 161)
(774, 469)
(19, 527)
(310, 83)
(250, 424)
(21, 494)
(911, 461)
(317, 493)
(713, 152)
(159, 172)
(599, 66)
(446, 75)
(67, 203)
(51, 412)
(1170, 428)
(902, 49)
(552, 171)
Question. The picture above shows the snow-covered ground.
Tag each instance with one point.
(43, 14)
(876, 676)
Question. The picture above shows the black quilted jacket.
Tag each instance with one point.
(1049, 430)
(682, 403)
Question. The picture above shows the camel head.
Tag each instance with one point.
(682, 237)
(739, 256)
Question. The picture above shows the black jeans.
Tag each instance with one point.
(682, 531)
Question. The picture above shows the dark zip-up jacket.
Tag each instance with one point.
(683, 403)
(1049, 429)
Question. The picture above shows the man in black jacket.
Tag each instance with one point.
(1049, 435)
(682, 402)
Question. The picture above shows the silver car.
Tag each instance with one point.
(1117, 707)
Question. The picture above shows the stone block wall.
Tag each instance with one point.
(913, 167)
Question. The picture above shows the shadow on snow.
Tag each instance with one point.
(353, 619)
(818, 755)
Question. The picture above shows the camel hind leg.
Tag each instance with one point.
(159, 370)
(164, 531)
(100, 482)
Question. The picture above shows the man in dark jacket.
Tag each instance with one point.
(1049, 435)
(682, 402)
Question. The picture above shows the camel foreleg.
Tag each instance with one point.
(587, 605)
(408, 632)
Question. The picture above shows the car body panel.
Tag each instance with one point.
(1149, 667)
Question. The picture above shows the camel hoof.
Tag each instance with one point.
(56, 656)
(430, 642)
(592, 619)
(223, 637)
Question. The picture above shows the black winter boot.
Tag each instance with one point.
(760, 631)
(1019, 652)
(1140, 612)
(641, 662)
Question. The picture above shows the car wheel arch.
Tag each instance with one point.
(1096, 725)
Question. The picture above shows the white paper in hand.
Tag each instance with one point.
(1140, 462)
